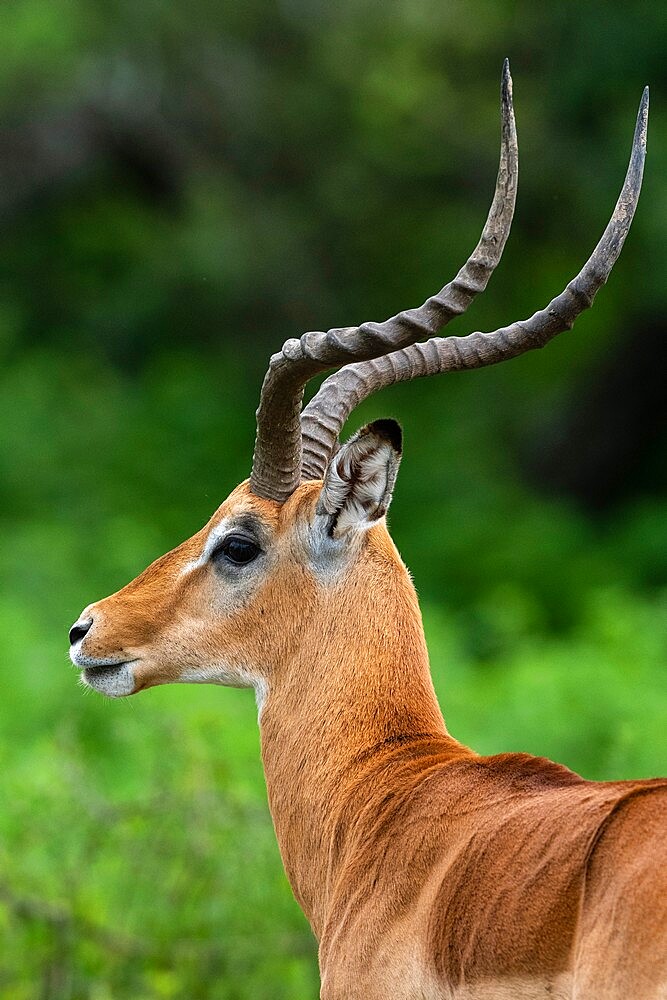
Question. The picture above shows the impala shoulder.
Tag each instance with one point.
(532, 773)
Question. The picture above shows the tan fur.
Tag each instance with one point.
(425, 870)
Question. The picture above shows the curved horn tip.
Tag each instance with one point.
(642, 116)
(506, 83)
(638, 153)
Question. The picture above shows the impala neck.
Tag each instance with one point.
(358, 683)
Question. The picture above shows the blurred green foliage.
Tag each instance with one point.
(184, 186)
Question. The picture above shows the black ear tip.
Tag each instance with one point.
(391, 431)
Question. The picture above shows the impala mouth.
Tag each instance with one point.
(113, 678)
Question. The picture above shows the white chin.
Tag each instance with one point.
(115, 681)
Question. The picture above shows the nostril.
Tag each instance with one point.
(78, 630)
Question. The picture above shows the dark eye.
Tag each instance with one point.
(236, 549)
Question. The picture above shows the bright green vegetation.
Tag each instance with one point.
(262, 170)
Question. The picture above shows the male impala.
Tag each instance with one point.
(425, 870)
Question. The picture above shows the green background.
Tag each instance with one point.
(182, 187)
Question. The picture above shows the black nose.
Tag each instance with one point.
(78, 630)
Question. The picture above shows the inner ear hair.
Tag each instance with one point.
(360, 478)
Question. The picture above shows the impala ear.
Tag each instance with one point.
(359, 480)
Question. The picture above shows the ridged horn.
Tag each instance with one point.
(277, 460)
(323, 418)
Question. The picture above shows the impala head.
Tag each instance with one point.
(230, 604)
